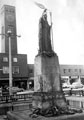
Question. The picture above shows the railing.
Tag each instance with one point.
(28, 97)
(75, 92)
(15, 102)
(15, 98)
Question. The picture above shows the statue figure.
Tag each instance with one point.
(44, 34)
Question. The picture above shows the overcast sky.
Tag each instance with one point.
(68, 28)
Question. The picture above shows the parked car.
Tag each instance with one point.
(66, 91)
(25, 92)
(77, 85)
(66, 85)
(16, 89)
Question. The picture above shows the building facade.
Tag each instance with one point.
(19, 61)
(72, 72)
(67, 72)
(8, 22)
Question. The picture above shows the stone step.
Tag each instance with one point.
(24, 115)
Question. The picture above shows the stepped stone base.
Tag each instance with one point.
(24, 115)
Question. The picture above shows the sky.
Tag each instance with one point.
(68, 28)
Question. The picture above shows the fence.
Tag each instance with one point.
(15, 98)
(28, 97)
(24, 101)
(76, 92)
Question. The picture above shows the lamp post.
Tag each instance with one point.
(9, 32)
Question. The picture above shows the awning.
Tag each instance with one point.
(4, 78)
(73, 77)
(14, 79)
(31, 78)
(65, 77)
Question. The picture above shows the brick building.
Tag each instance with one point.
(19, 61)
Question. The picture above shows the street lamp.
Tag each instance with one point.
(9, 33)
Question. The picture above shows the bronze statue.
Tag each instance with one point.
(44, 34)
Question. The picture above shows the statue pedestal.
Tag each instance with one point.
(47, 86)
(25, 115)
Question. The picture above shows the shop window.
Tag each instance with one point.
(15, 59)
(15, 70)
(5, 59)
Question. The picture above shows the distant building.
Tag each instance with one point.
(72, 70)
(19, 61)
(8, 21)
(67, 72)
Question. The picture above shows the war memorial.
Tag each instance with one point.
(48, 102)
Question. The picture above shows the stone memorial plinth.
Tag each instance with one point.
(47, 84)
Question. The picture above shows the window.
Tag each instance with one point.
(14, 59)
(15, 70)
(80, 70)
(5, 69)
(69, 70)
(75, 70)
(31, 71)
(2, 31)
(5, 59)
(11, 27)
(64, 70)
